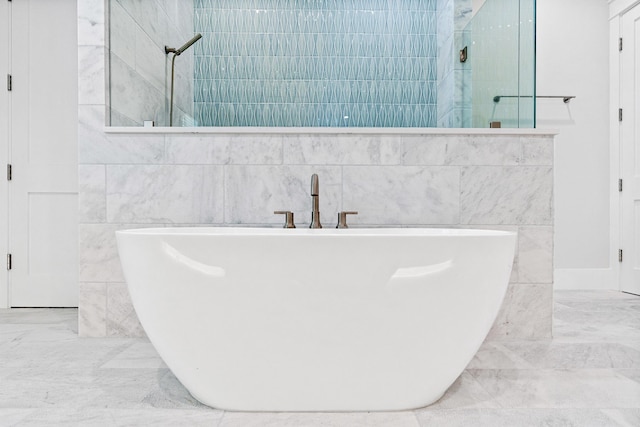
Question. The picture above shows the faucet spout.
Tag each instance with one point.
(315, 202)
(315, 185)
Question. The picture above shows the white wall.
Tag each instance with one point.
(573, 59)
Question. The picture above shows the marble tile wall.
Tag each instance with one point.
(479, 181)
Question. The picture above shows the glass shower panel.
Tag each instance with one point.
(322, 63)
(502, 55)
(527, 65)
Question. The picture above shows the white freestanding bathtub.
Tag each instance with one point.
(260, 319)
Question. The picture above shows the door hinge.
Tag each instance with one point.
(620, 44)
(9, 172)
(8, 261)
(620, 185)
(9, 82)
(619, 255)
(619, 114)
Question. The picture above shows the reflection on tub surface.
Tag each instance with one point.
(421, 271)
(209, 270)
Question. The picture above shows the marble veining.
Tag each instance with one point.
(558, 388)
(96, 147)
(228, 149)
(164, 194)
(535, 259)
(406, 195)
(98, 258)
(92, 309)
(536, 151)
(91, 23)
(121, 316)
(150, 61)
(525, 313)
(484, 151)
(252, 194)
(90, 87)
(120, 37)
(584, 376)
(325, 149)
(132, 95)
(488, 195)
(197, 150)
(92, 204)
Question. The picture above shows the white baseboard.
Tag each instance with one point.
(565, 279)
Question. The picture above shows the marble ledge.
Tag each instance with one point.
(328, 130)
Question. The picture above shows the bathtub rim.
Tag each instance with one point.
(327, 232)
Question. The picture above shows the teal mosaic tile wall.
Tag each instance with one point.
(337, 63)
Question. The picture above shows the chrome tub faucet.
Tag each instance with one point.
(315, 209)
(315, 202)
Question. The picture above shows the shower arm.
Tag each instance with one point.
(177, 52)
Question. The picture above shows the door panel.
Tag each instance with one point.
(630, 152)
(5, 30)
(43, 192)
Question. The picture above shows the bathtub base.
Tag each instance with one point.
(312, 407)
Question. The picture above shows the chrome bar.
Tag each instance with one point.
(565, 99)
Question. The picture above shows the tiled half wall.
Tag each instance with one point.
(496, 181)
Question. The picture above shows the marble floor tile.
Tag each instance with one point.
(597, 317)
(14, 416)
(494, 355)
(554, 355)
(632, 374)
(138, 355)
(555, 388)
(310, 419)
(517, 418)
(98, 417)
(624, 417)
(587, 375)
(39, 318)
(38, 391)
(465, 393)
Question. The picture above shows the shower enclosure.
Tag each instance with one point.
(499, 85)
(323, 63)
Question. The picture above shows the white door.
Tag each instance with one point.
(630, 152)
(43, 153)
(5, 29)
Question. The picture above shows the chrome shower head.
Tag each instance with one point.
(184, 47)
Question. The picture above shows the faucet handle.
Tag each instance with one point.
(342, 218)
(288, 218)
